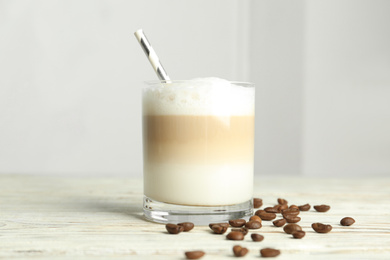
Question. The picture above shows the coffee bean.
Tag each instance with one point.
(269, 252)
(194, 254)
(322, 208)
(290, 228)
(265, 215)
(283, 206)
(298, 234)
(280, 207)
(271, 210)
(243, 230)
(294, 207)
(279, 222)
(187, 226)
(255, 218)
(235, 235)
(347, 221)
(277, 208)
(291, 218)
(253, 225)
(237, 222)
(218, 229)
(257, 237)
(305, 207)
(292, 211)
(282, 201)
(240, 251)
(174, 229)
(321, 228)
(257, 203)
(221, 224)
(236, 250)
(244, 251)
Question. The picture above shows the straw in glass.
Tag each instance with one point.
(151, 54)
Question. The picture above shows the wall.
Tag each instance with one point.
(71, 73)
(277, 68)
(347, 88)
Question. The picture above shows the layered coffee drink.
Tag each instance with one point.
(198, 142)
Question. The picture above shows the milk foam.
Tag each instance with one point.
(200, 96)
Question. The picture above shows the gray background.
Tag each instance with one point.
(71, 74)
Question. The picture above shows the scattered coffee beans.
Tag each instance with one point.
(187, 226)
(174, 229)
(269, 252)
(221, 224)
(237, 222)
(282, 201)
(243, 230)
(271, 210)
(322, 208)
(321, 228)
(257, 203)
(289, 213)
(194, 254)
(257, 237)
(253, 225)
(240, 251)
(347, 221)
(291, 218)
(255, 218)
(219, 229)
(279, 222)
(265, 215)
(235, 235)
(290, 228)
(298, 234)
(305, 207)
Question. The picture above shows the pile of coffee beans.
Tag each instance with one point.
(240, 227)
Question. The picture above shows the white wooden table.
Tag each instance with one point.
(87, 218)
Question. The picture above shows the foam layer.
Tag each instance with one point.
(201, 96)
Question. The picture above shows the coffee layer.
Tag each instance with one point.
(198, 139)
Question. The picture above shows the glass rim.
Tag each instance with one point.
(154, 82)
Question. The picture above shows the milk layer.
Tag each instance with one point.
(201, 185)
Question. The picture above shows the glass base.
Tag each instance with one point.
(161, 212)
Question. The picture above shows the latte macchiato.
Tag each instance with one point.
(198, 142)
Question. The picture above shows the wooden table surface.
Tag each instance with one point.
(87, 218)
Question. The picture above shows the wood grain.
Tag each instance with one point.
(87, 218)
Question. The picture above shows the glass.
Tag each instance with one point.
(198, 145)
